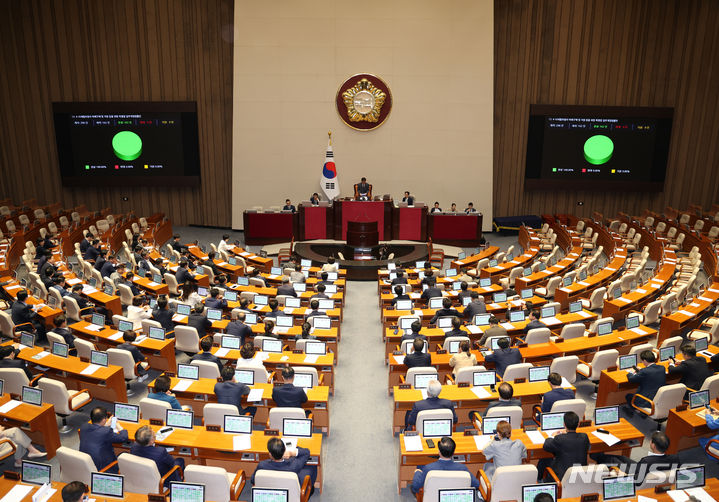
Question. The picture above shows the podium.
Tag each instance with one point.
(362, 234)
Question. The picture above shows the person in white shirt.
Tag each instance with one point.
(330, 266)
(297, 275)
(189, 294)
(224, 244)
(138, 311)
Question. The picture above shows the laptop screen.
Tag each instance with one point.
(453, 346)
(698, 399)
(230, 342)
(214, 314)
(526, 272)
(270, 495)
(60, 349)
(604, 328)
(242, 281)
(127, 412)
(186, 492)
(315, 348)
(178, 418)
(482, 319)
(36, 473)
(406, 322)
(466, 300)
(606, 415)
(292, 302)
(437, 428)
(305, 263)
(299, 287)
(481, 378)
(516, 316)
(531, 491)
(276, 270)
(461, 255)
(575, 307)
(450, 272)
(492, 263)
(250, 318)
(107, 485)
(552, 421)
(303, 380)
(690, 477)
(245, 376)
(98, 319)
(326, 303)
(284, 321)
(666, 353)
(99, 358)
(456, 286)
(236, 424)
(527, 293)
(618, 488)
(230, 296)
(567, 281)
(232, 261)
(31, 395)
(331, 276)
(632, 322)
(494, 342)
(188, 371)
(421, 380)
(548, 312)
(297, 427)
(201, 291)
(538, 373)
(183, 309)
(701, 344)
(156, 333)
(158, 278)
(499, 297)
(436, 302)
(260, 300)
(489, 424)
(125, 326)
(582, 274)
(109, 290)
(444, 322)
(542, 266)
(271, 345)
(485, 282)
(628, 361)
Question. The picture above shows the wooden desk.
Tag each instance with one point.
(684, 429)
(537, 279)
(474, 458)
(456, 229)
(216, 448)
(503, 269)
(98, 297)
(689, 316)
(471, 261)
(269, 227)
(106, 383)
(584, 289)
(38, 421)
(160, 353)
(46, 313)
(264, 264)
(153, 288)
(711, 487)
(6, 485)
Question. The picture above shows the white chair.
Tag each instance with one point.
(220, 485)
(214, 413)
(285, 481)
(712, 385)
(450, 339)
(126, 295)
(76, 465)
(130, 369)
(667, 398)
(56, 393)
(514, 413)
(8, 327)
(147, 324)
(172, 285)
(84, 348)
(442, 480)
(317, 379)
(437, 414)
(465, 374)
(574, 330)
(638, 349)
(154, 408)
(551, 287)
(72, 309)
(508, 282)
(578, 406)
(655, 478)
(411, 372)
(53, 338)
(260, 373)
(580, 479)
(601, 361)
(596, 299)
(507, 482)
(141, 474)
(277, 416)
(566, 366)
(651, 313)
(187, 339)
(515, 371)
(208, 369)
(15, 379)
(593, 326)
(537, 335)
(674, 341)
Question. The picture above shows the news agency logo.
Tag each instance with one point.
(658, 474)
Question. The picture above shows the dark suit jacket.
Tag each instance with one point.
(400, 297)
(182, 275)
(412, 336)
(439, 465)
(215, 303)
(503, 358)
(292, 464)
(450, 312)
(555, 395)
(21, 313)
(96, 440)
(107, 269)
(159, 455)
(137, 356)
(431, 292)
(399, 280)
(363, 188)
(534, 325)
(231, 393)
(650, 379)
(84, 244)
(287, 290)
(474, 308)
(289, 396)
(568, 449)
(409, 200)
(416, 359)
(164, 317)
(81, 300)
(211, 265)
(16, 363)
(693, 372)
(66, 334)
(429, 281)
(99, 263)
(199, 322)
(240, 329)
(91, 253)
(431, 403)
(207, 356)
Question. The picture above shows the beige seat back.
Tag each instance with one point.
(208, 369)
(14, 379)
(75, 465)
(507, 481)
(72, 310)
(172, 285)
(147, 323)
(578, 406)
(141, 474)
(513, 412)
(126, 295)
(124, 359)
(438, 414)
(187, 339)
(667, 398)
(581, 479)
(55, 392)
(574, 330)
(442, 480)
(537, 335)
(651, 312)
(514, 371)
(277, 415)
(154, 408)
(712, 385)
(279, 479)
(565, 366)
(53, 337)
(411, 372)
(601, 361)
(465, 374)
(217, 481)
(214, 413)
(84, 348)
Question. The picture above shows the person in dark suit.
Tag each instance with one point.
(210, 263)
(445, 311)
(216, 300)
(48, 277)
(658, 459)
(238, 328)
(60, 323)
(569, 448)
(23, 314)
(306, 333)
(363, 189)
(183, 274)
(534, 321)
(506, 397)
(126, 280)
(92, 251)
(464, 291)
(504, 356)
(456, 328)
(198, 320)
(96, 439)
(128, 337)
(470, 208)
(693, 369)
(163, 314)
(176, 244)
(401, 295)
(320, 293)
(650, 379)
(315, 309)
(408, 199)
(108, 268)
(436, 208)
(287, 394)
(476, 306)
(433, 402)
(206, 354)
(274, 309)
(324, 279)
(230, 392)
(292, 460)
(429, 279)
(415, 333)
(556, 394)
(494, 330)
(7, 360)
(288, 206)
(74, 492)
(144, 447)
(446, 448)
(144, 261)
(286, 288)
(85, 243)
(400, 279)
(100, 260)
(431, 292)
(44, 263)
(315, 199)
(59, 284)
(417, 358)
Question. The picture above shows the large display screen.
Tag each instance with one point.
(127, 143)
(597, 147)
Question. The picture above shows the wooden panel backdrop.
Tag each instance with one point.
(608, 52)
(117, 50)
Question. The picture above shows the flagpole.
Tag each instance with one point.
(329, 134)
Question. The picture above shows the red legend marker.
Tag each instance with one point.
(584, 170)
(117, 167)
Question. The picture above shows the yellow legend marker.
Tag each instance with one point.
(613, 170)
(147, 167)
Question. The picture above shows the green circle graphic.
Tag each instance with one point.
(127, 145)
(598, 149)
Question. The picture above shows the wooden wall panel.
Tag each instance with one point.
(118, 50)
(608, 52)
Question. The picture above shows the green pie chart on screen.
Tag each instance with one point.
(598, 149)
(127, 145)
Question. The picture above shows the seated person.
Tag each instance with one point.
(8, 360)
(269, 325)
(206, 354)
(220, 282)
(100, 260)
(59, 283)
(274, 309)
(506, 397)
(238, 328)
(92, 251)
(331, 265)
(556, 394)
(470, 208)
(650, 379)
(415, 327)
(189, 293)
(60, 323)
(144, 447)
(504, 356)
(198, 320)
(74, 492)
(712, 420)
(163, 314)
(176, 244)
(288, 460)
(456, 328)
(436, 208)
(363, 189)
(306, 333)
(417, 358)
(475, 306)
(453, 207)
(446, 311)
(693, 369)
(109, 267)
(315, 309)
(400, 279)
(446, 448)
(97, 439)
(86, 243)
(296, 275)
(286, 288)
(210, 263)
(494, 330)
(126, 280)
(23, 314)
(230, 392)
(315, 199)
(463, 358)
(431, 292)
(224, 244)
(324, 279)
(255, 274)
(47, 277)
(128, 337)
(320, 292)
(287, 394)
(503, 451)
(138, 311)
(400, 295)
(288, 206)
(433, 402)
(569, 448)
(408, 198)
(429, 279)
(161, 392)
(183, 274)
(534, 321)
(247, 356)
(657, 459)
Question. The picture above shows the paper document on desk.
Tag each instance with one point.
(288, 310)
(482, 441)
(642, 498)
(115, 336)
(706, 353)
(88, 290)
(255, 395)
(678, 495)
(179, 318)
(481, 392)
(222, 352)
(41, 354)
(18, 493)
(413, 443)
(139, 339)
(182, 385)
(91, 368)
(640, 290)
(713, 290)
(262, 355)
(705, 299)
(72, 282)
(152, 284)
(535, 437)
(695, 304)
(242, 442)
(638, 331)
(399, 359)
(582, 283)
(686, 313)
(550, 321)
(94, 327)
(415, 296)
(701, 494)
(623, 300)
(18, 286)
(609, 439)
(495, 305)
(9, 406)
(418, 312)
(475, 330)
(507, 325)
(311, 358)
(584, 314)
